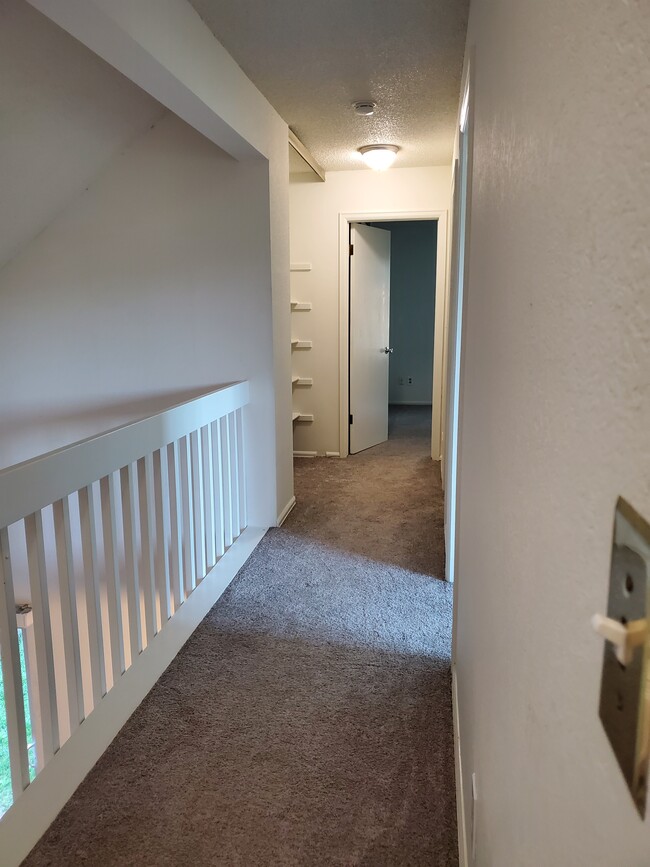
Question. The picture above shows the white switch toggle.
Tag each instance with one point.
(625, 637)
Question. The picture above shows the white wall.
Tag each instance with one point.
(164, 47)
(154, 283)
(555, 418)
(65, 114)
(315, 210)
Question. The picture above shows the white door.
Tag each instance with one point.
(369, 336)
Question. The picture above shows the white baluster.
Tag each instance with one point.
(113, 584)
(42, 635)
(243, 511)
(199, 511)
(129, 488)
(217, 470)
(234, 469)
(227, 481)
(176, 499)
(148, 536)
(189, 563)
(163, 533)
(93, 598)
(11, 674)
(69, 615)
(208, 495)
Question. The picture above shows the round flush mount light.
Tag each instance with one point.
(379, 157)
(365, 108)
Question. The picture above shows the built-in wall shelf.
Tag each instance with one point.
(295, 416)
(300, 266)
(302, 381)
(301, 305)
(301, 344)
(301, 416)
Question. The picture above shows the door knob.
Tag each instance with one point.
(386, 349)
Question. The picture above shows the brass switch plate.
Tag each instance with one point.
(624, 695)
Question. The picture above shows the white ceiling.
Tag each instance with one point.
(312, 60)
(64, 113)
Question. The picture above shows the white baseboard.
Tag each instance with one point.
(458, 764)
(284, 514)
(35, 810)
(316, 455)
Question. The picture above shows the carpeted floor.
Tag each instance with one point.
(308, 719)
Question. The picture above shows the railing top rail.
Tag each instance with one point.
(32, 485)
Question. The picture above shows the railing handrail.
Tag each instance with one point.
(108, 538)
(32, 485)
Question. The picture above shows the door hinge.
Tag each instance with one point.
(351, 419)
(351, 249)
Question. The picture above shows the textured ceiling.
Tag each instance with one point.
(312, 60)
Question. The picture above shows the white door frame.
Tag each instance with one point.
(442, 290)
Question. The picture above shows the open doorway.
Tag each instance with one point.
(391, 328)
(392, 320)
(412, 326)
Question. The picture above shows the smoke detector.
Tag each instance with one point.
(365, 108)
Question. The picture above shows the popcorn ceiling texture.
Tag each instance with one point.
(313, 60)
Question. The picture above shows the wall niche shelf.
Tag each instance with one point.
(298, 306)
(301, 344)
(300, 266)
(302, 381)
(301, 416)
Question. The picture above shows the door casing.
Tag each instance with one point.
(442, 288)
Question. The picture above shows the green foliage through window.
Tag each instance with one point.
(6, 797)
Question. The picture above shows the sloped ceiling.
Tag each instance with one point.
(312, 60)
(64, 113)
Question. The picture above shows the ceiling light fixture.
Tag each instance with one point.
(365, 108)
(379, 157)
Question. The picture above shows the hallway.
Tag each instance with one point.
(308, 719)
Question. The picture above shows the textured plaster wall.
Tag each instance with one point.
(315, 209)
(555, 418)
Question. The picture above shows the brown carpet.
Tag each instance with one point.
(308, 719)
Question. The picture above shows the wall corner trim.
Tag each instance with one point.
(284, 514)
(300, 149)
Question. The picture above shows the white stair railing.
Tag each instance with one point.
(104, 540)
